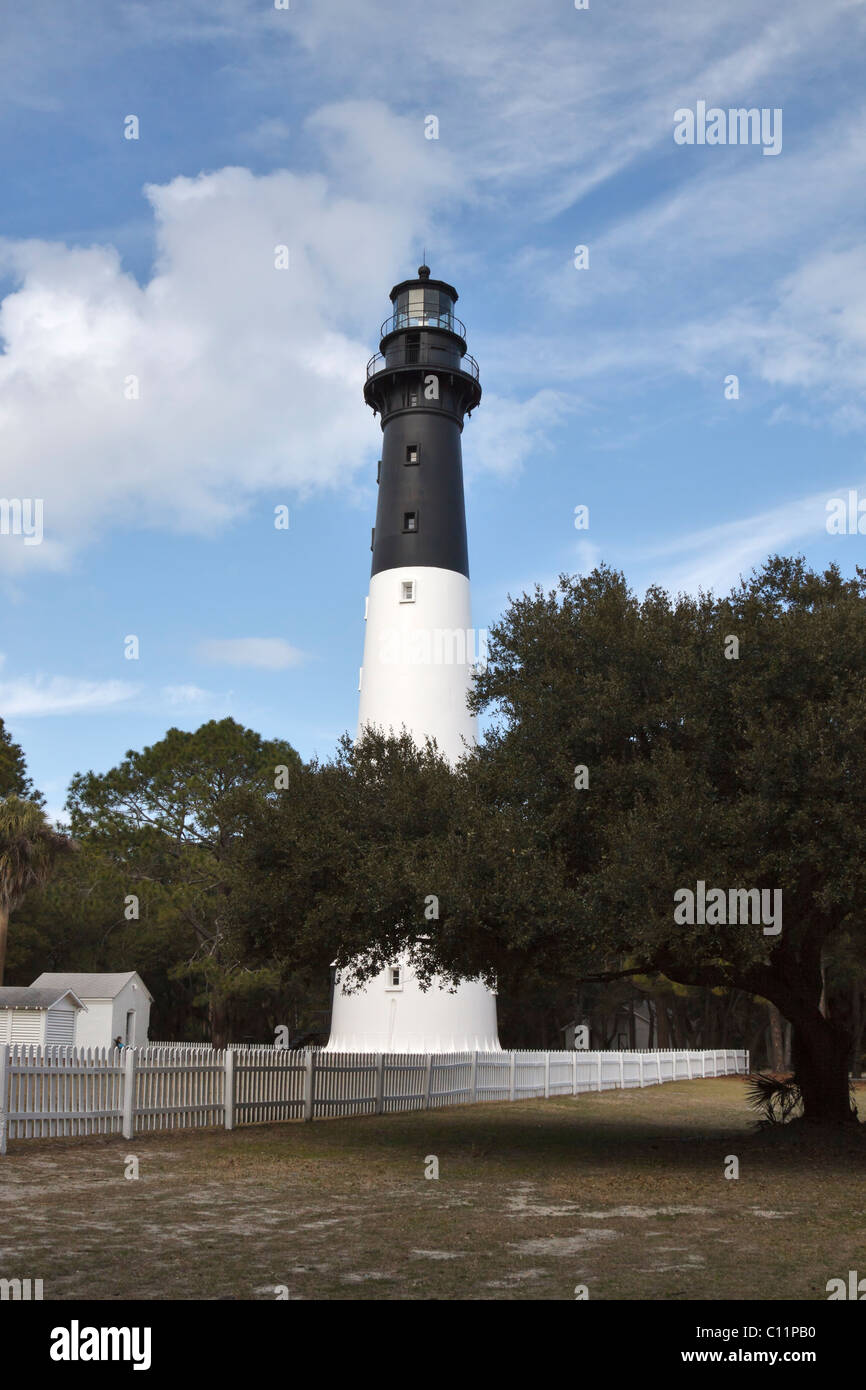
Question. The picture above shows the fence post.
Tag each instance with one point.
(598, 1087)
(380, 1085)
(128, 1092)
(748, 1062)
(428, 1080)
(641, 1056)
(309, 1097)
(622, 1071)
(689, 1064)
(4, 1081)
(574, 1073)
(512, 1079)
(547, 1076)
(473, 1079)
(229, 1089)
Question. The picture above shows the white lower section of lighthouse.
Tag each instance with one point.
(419, 651)
(391, 1013)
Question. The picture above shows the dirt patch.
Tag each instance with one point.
(531, 1200)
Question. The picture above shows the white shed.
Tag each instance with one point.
(39, 1015)
(118, 1006)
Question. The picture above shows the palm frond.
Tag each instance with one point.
(777, 1099)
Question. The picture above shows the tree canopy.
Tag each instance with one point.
(14, 780)
(637, 748)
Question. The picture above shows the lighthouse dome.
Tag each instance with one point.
(424, 303)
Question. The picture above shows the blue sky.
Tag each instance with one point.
(154, 258)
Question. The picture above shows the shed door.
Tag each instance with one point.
(60, 1026)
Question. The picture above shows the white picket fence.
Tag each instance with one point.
(47, 1092)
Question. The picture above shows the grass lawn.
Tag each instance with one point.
(624, 1192)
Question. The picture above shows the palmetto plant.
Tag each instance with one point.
(29, 849)
(777, 1099)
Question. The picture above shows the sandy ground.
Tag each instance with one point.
(624, 1193)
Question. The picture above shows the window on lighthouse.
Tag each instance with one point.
(410, 521)
(407, 591)
(394, 977)
(413, 453)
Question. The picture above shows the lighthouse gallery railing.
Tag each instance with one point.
(424, 356)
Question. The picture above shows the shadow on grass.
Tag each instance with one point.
(578, 1133)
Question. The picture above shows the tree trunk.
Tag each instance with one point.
(777, 1046)
(663, 1026)
(4, 936)
(821, 1053)
(219, 1023)
(857, 1022)
(755, 1043)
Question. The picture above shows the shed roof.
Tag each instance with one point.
(30, 997)
(92, 986)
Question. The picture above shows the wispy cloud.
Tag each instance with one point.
(267, 653)
(186, 695)
(45, 695)
(718, 555)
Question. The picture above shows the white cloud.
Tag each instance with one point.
(505, 433)
(272, 133)
(186, 694)
(249, 377)
(268, 653)
(720, 554)
(44, 695)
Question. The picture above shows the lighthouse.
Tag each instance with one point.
(419, 645)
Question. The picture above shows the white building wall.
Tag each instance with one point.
(131, 997)
(93, 1028)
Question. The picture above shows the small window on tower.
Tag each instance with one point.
(407, 591)
(413, 451)
(413, 398)
(410, 521)
(394, 977)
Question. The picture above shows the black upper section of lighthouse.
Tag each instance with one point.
(422, 382)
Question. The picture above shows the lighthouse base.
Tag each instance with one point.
(392, 1013)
